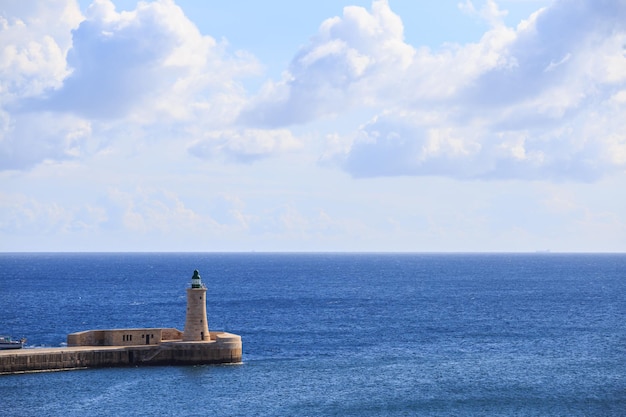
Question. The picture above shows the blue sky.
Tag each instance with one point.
(313, 126)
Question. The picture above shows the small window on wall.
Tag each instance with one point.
(130, 337)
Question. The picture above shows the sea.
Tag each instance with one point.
(332, 334)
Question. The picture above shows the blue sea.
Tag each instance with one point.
(333, 334)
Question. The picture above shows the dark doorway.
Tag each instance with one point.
(147, 339)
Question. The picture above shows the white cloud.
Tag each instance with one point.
(34, 38)
(542, 100)
(245, 145)
(537, 102)
(399, 144)
(26, 141)
(65, 76)
(123, 217)
(490, 12)
(350, 61)
(149, 63)
(361, 59)
(155, 210)
(28, 216)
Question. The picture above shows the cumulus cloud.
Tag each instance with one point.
(34, 39)
(28, 216)
(155, 212)
(540, 101)
(151, 61)
(350, 60)
(490, 12)
(26, 141)
(147, 210)
(361, 59)
(245, 145)
(404, 144)
(149, 67)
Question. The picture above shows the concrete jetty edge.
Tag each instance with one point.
(224, 348)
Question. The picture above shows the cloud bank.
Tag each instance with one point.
(543, 100)
(69, 81)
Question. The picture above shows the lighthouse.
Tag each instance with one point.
(196, 324)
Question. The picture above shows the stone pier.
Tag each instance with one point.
(222, 348)
(196, 345)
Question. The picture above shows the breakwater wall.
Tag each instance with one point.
(222, 348)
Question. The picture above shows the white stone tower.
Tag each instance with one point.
(196, 324)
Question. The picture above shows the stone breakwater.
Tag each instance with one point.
(222, 348)
(196, 345)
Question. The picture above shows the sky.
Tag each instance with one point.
(321, 126)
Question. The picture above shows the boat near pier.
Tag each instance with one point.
(6, 343)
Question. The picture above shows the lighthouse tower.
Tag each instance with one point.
(196, 324)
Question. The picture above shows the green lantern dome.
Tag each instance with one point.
(196, 281)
